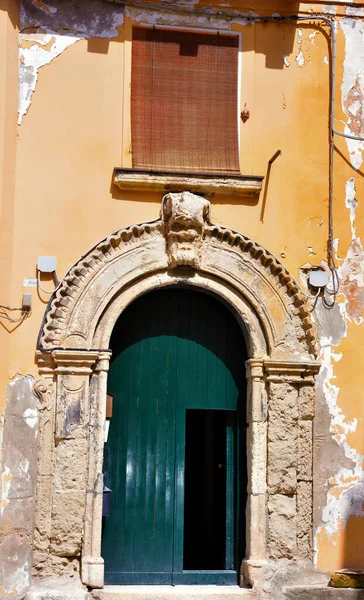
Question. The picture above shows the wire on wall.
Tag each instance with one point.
(5, 315)
(332, 132)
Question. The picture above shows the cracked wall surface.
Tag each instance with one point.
(74, 77)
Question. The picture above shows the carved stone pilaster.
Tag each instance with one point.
(44, 389)
(289, 469)
(256, 510)
(185, 216)
(92, 564)
(73, 370)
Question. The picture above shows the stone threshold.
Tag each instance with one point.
(206, 184)
(167, 592)
(321, 593)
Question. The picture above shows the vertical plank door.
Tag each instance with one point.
(174, 351)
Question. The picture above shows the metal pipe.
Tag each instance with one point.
(274, 157)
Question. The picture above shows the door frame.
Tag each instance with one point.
(180, 248)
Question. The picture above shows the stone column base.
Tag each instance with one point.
(251, 571)
(92, 571)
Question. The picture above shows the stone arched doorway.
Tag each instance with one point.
(180, 248)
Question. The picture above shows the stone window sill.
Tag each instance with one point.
(206, 184)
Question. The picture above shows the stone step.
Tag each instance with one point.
(322, 593)
(178, 592)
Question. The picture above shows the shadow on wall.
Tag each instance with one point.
(353, 549)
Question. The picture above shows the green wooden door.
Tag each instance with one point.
(178, 492)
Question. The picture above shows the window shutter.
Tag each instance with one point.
(184, 94)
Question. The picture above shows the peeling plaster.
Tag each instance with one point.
(59, 24)
(355, 11)
(300, 59)
(169, 18)
(32, 59)
(352, 88)
(286, 61)
(329, 9)
(351, 272)
(345, 496)
(312, 37)
(31, 417)
(6, 478)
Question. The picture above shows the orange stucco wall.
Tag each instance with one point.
(75, 131)
(9, 18)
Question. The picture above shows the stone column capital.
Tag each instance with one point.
(75, 362)
(254, 368)
(103, 362)
(290, 371)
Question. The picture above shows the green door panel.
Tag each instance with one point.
(174, 350)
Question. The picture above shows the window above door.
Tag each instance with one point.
(182, 98)
(184, 101)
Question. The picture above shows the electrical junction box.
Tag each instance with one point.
(27, 302)
(318, 278)
(47, 264)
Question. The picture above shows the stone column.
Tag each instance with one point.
(256, 511)
(92, 563)
(70, 466)
(289, 473)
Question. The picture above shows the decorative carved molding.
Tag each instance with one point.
(238, 185)
(75, 362)
(185, 216)
(291, 371)
(43, 390)
(185, 222)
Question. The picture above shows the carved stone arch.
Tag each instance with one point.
(182, 247)
(182, 237)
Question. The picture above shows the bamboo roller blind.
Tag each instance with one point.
(184, 95)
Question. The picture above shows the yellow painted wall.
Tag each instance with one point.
(76, 131)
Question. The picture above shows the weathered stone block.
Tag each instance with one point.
(257, 457)
(70, 464)
(283, 398)
(257, 401)
(256, 520)
(321, 593)
(46, 443)
(304, 464)
(67, 522)
(347, 579)
(304, 520)
(47, 565)
(43, 507)
(282, 463)
(283, 413)
(306, 401)
(282, 541)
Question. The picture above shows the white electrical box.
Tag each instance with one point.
(47, 264)
(318, 278)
